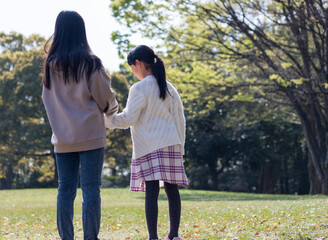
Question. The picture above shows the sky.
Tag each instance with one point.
(39, 16)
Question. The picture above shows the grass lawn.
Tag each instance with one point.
(31, 214)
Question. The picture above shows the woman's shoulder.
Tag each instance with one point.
(97, 62)
(54, 64)
(91, 61)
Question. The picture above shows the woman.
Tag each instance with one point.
(76, 93)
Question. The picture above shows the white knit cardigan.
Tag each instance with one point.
(154, 123)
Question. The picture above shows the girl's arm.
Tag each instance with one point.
(135, 103)
(102, 93)
(181, 123)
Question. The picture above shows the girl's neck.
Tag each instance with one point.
(146, 73)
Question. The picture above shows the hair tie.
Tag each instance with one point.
(155, 58)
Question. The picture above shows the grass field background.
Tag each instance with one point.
(31, 214)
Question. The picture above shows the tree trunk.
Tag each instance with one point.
(214, 177)
(286, 177)
(315, 186)
(316, 143)
(268, 178)
(6, 183)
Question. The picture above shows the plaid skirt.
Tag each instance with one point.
(165, 164)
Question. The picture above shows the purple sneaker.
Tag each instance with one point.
(175, 238)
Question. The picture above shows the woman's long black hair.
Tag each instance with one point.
(69, 49)
(146, 54)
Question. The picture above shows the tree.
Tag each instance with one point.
(25, 149)
(236, 148)
(119, 150)
(278, 49)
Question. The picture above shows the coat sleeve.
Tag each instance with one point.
(102, 93)
(130, 115)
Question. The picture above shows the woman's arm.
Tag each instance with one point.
(102, 93)
(135, 103)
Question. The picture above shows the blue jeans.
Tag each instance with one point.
(68, 165)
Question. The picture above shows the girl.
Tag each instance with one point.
(76, 93)
(154, 112)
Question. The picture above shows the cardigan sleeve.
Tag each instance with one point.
(181, 123)
(135, 103)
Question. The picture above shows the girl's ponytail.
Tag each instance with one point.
(146, 54)
(158, 70)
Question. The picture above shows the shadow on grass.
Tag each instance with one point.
(199, 196)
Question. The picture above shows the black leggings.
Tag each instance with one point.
(151, 206)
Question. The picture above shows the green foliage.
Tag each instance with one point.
(232, 62)
(238, 149)
(132, 13)
(221, 53)
(119, 150)
(24, 131)
(26, 153)
(12, 42)
(31, 214)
